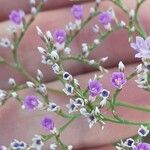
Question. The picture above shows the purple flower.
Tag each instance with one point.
(118, 79)
(31, 102)
(142, 47)
(60, 36)
(105, 18)
(48, 123)
(94, 87)
(142, 146)
(77, 11)
(16, 16)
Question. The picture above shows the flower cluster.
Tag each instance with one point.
(90, 102)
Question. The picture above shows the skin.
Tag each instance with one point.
(22, 124)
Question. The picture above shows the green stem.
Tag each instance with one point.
(138, 25)
(136, 107)
(124, 122)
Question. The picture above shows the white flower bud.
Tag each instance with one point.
(104, 59)
(39, 32)
(54, 55)
(56, 68)
(122, 24)
(67, 51)
(11, 82)
(121, 66)
(30, 84)
(32, 2)
(70, 147)
(139, 68)
(53, 146)
(42, 89)
(39, 75)
(5, 42)
(91, 62)
(14, 94)
(33, 11)
(3, 95)
(92, 11)
(41, 50)
(98, 1)
(132, 13)
(95, 28)
(49, 36)
(96, 41)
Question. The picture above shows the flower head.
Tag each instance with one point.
(77, 11)
(37, 142)
(118, 79)
(48, 123)
(142, 146)
(105, 18)
(15, 145)
(3, 148)
(31, 102)
(142, 47)
(94, 87)
(16, 16)
(59, 36)
(143, 131)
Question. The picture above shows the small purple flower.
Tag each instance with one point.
(60, 36)
(142, 47)
(142, 146)
(16, 16)
(31, 102)
(118, 79)
(105, 18)
(48, 123)
(94, 87)
(77, 11)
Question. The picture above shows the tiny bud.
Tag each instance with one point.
(95, 28)
(92, 11)
(49, 36)
(96, 41)
(132, 29)
(53, 146)
(14, 94)
(67, 51)
(132, 13)
(39, 75)
(139, 68)
(12, 82)
(98, 1)
(104, 59)
(121, 66)
(39, 32)
(91, 62)
(70, 147)
(42, 89)
(30, 84)
(32, 2)
(54, 56)
(33, 11)
(122, 24)
(41, 50)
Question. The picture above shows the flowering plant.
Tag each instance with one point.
(95, 102)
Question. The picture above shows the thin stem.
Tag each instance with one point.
(17, 41)
(138, 25)
(136, 107)
(125, 122)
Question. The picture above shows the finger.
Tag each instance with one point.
(23, 125)
(24, 5)
(107, 147)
